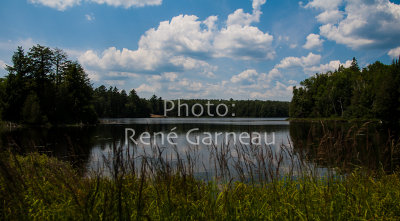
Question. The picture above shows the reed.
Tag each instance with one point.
(241, 182)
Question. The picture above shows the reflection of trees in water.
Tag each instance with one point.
(332, 145)
(74, 144)
(344, 145)
(68, 143)
(116, 133)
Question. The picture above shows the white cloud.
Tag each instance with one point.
(239, 17)
(313, 41)
(240, 40)
(245, 85)
(243, 42)
(323, 68)
(250, 80)
(117, 83)
(394, 53)
(246, 77)
(62, 5)
(186, 85)
(148, 88)
(183, 34)
(289, 62)
(90, 17)
(362, 24)
(324, 4)
(331, 16)
(185, 43)
(188, 88)
(128, 3)
(167, 47)
(171, 76)
(178, 49)
(93, 76)
(257, 4)
(279, 92)
(310, 64)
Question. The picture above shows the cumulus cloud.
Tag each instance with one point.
(182, 35)
(313, 41)
(185, 43)
(324, 4)
(250, 80)
(128, 3)
(304, 61)
(331, 16)
(330, 66)
(62, 5)
(247, 84)
(394, 53)
(243, 42)
(362, 24)
(246, 77)
(169, 54)
(148, 88)
(310, 64)
(239, 17)
(280, 92)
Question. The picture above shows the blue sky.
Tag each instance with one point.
(239, 49)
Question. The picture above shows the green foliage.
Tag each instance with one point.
(114, 103)
(44, 188)
(31, 110)
(350, 93)
(43, 86)
(2, 95)
(236, 108)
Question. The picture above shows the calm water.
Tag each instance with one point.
(90, 148)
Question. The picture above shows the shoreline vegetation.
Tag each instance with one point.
(46, 188)
(351, 93)
(259, 184)
(153, 187)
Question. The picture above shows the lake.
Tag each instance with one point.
(210, 145)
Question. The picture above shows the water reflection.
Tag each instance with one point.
(333, 145)
(346, 145)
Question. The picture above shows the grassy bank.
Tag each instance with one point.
(40, 187)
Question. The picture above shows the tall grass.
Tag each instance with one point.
(242, 182)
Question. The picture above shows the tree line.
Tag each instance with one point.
(370, 93)
(43, 86)
(112, 103)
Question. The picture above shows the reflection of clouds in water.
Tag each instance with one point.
(204, 156)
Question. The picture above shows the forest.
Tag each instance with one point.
(112, 103)
(43, 86)
(350, 93)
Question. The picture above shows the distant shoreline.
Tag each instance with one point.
(333, 119)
